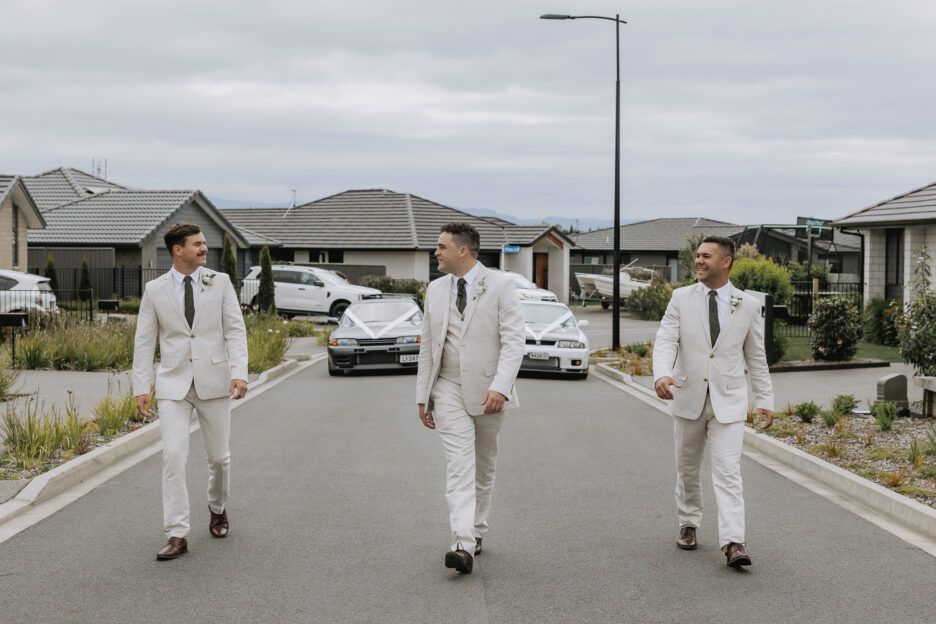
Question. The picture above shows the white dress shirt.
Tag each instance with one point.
(178, 284)
(722, 296)
(469, 281)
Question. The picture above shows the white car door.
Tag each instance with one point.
(311, 293)
(286, 289)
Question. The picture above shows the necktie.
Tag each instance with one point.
(189, 300)
(713, 315)
(462, 299)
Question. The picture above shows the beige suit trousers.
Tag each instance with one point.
(470, 446)
(214, 418)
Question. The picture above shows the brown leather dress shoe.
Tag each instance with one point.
(460, 560)
(687, 540)
(219, 524)
(176, 547)
(477, 546)
(736, 555)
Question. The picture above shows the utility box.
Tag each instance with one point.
(893, 389)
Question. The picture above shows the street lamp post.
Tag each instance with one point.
(616, 298)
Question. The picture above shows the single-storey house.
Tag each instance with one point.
(893, 233)
(401, 231)
(18, 213)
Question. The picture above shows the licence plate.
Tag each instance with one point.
(409, 358)
(538, 355)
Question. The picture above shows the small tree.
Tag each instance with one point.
(916, 325)
(804, 272)
(649, 303)
(229, 263)
(764, 275)
(748, 250)
(52, 274)
(835, 329)
(84, 284)
(266, 298)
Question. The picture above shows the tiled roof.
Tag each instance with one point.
(7, 182)
(664, 234)
(13, 185)
(65, 185)
(373, 219)
(255, 239)
(114, 217)
(916, 207)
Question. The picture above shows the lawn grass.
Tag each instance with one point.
(798, 349)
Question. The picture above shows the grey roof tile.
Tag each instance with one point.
(64, 185)
(664, 234)
(916, 207)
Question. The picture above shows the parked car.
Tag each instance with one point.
(24, 292)
(528, 291)
(376, 334)
(306, 290)
(554, 341)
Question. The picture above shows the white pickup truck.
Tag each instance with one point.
(306, 290)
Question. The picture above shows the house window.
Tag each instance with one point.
(894, 265)
(15, 235)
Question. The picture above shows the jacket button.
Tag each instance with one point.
(705, 379)
(711, 355)
(193, 335)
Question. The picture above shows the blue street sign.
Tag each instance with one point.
(511, 248)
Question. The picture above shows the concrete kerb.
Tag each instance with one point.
(902, 510)
(75, 471)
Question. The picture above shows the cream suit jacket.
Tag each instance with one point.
(684, 351)
(492, 345)
(210, 353)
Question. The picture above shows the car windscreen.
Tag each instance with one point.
(382, 312)
(330, 278)
(520, 281)
(546, 314)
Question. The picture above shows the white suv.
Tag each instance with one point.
(306, 290)
(22, 292)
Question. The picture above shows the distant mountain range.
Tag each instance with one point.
(563, 222)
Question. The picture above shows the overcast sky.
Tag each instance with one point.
(742, 111)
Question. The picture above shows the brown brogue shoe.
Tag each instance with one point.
(219, 524)
(176, 547)
(736, 555)
(477, 546)
(687, 540)
(459, 560)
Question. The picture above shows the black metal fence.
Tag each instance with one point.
(796, 313)
(117, 282)
(44, 306)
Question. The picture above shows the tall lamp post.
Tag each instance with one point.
(616, 299)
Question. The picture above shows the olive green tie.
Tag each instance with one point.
(189, 300)
(713, 315)
(462, 299)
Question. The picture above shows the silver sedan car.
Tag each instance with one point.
(376, 334)
(554, 341)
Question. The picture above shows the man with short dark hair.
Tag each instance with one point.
(195, 315)
(469, 356)
(710, 334)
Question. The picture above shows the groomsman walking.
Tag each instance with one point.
(194, 313)
(470, 354)
(710, 334)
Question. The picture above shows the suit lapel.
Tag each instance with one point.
(169, 297)
(732, 292)
(699, 299)
(203, 296)
(445, 303)
(473, 302)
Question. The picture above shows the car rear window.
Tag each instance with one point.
(43, 286)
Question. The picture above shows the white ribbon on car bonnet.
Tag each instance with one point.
(559, 321)
(409, 313)
(359, 323)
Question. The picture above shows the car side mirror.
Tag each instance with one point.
(583, 323)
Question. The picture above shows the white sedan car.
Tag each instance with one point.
(554, 341)
(528, 291)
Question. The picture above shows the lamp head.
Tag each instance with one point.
(554, 16)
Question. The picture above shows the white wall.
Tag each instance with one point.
(400, 264)
(520, 262)
(874, 259)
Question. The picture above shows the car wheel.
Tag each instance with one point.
(338, 309)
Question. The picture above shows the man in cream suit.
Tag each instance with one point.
(710, 334)
(194, 313)
(470, 353)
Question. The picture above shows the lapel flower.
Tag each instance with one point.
(207, 279)
(735, 302)
(482, 286)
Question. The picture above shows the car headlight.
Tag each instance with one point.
(343, 342)
(570, 344)
(408, 339)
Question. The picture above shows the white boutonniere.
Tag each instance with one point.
(207, 279)
(735, 302)
(482, 286)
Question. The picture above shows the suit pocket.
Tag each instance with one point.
(736, 382)
(219, 359)
(678, 375)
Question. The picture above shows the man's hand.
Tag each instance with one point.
(493, 402)
(238, 388)
(426, 416)
(768, 414)
(143, 406)
(663, 389)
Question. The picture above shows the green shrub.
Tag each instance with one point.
(835, 329)
(52, 274)
(844, 404)
(780, 343)
(801, 272)
(916, 326)
(266, 298)
(884, 413)
(764, 275)
(30, 438)
(8, 378)
(649, 303)
(129, 305)
(229, 263)
(829, 418)
(880, 322)
(640, 349)
(806, 411)
(266, 347)
(78, 346)
(112, 413)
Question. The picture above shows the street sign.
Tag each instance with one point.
(818, 228)
(511, 248)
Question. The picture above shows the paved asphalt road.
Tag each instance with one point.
(338, 516)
